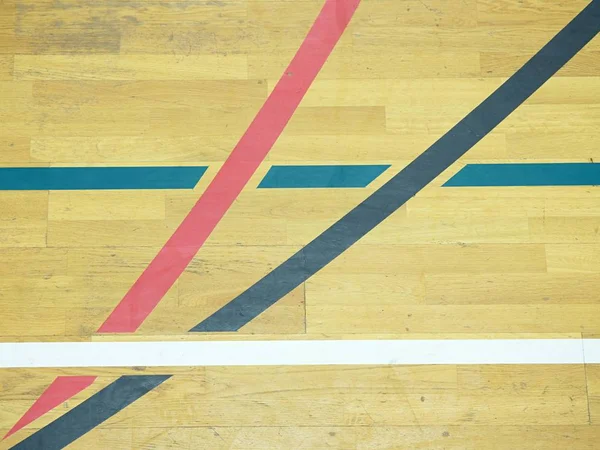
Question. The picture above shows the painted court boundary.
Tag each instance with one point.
(298, 353)
(322, 176)
(241, 164)
(403, 186)
(526, 174)
(99, 178)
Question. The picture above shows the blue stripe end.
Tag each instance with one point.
(532, 174)
(293, 177)
(96, 178)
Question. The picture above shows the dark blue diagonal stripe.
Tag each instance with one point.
(414, 177)
(347, 176)
(91, 413)
(530, 174)
(79, 178)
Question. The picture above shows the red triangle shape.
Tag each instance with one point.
(61, 389)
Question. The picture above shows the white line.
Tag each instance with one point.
(591, 351)
(297, 353)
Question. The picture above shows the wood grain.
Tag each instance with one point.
(129, 83)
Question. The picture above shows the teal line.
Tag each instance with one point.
(92, 178)
(327, 176)
(532, 174)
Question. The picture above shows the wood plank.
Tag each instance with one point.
(6, 67)
(131, 149)
(23, 219)
(520, 289)
(372, 315)
(578, 230)
(471, 258)
(573, 258)
(129, 67)
(83, 205)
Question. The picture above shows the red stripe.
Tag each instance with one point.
(61, 390)
(243, 161)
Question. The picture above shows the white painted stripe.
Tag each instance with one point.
(591, 351)
(297, 353)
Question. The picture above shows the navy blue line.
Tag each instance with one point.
(79, 178)
(532, 174)
(414, 177)
(326, 176)
(92, 412)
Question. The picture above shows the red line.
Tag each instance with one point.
(59, 391)
(243, 161)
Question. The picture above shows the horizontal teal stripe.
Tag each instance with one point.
(79, 178)
(347, 176)
(533, 174)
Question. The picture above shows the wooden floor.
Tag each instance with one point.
(135, 83)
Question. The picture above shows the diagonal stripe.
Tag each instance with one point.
(321, 176)
(529, 174)
(92, 412)
(403, 186)
(250, 151)
(95, 178)
(61, 390)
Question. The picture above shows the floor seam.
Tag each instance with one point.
(587, 389)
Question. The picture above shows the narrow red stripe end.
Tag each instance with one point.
(61, 390)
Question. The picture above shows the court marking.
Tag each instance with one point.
(291, 176)
(92, 412)
(403, 186)
(527, 174)
(299, 353)
(321, 176)
(248, 154)
(125, 390)
(99, 178)
(245, 158)
(61, 390)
